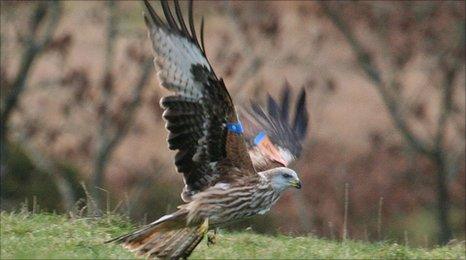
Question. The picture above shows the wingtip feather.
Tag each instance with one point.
(202, 34)
(272, 107)
(154, 20)
(169, 16)
(301, 117)
(285, 103)
(179, 15)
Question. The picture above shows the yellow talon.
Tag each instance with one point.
(212, 238)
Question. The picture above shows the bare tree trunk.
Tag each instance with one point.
(111, 141)
(104, 150)
(98, 178)
(443, 199)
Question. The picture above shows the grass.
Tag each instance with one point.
(25, 235)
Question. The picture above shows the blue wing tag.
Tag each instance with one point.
(236, 128)
(259, 138)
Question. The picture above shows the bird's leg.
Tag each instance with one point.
(212, 237)
(204, 228)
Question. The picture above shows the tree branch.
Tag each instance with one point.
(34, 47)
(446, 104)
(370, 69)
(107, 77)
(129, 112)
(110, 142)
(254, 63)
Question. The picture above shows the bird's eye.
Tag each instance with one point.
(286, 175)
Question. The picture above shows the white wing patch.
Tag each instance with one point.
(286, 155)
(223, 186)
(174, 57)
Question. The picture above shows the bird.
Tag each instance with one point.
(231, 170)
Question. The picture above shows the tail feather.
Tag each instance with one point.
(190, 242)
(178, 244)
(167, 237)
(156, 245)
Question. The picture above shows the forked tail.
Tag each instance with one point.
(168, 237)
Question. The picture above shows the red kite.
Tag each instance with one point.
(229, 173)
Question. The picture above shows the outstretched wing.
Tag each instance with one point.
(273, 140)
(200, 116)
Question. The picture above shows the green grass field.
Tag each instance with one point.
(25, 235)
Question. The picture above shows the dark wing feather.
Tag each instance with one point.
(197, 114)
(273, 140)
(301, 118)
(272, 107)
(285, 106)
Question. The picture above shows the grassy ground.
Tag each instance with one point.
(26, 235)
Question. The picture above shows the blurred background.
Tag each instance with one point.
(82, 133)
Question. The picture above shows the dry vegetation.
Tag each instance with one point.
(89, 110)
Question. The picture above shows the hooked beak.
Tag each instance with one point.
(296, 184)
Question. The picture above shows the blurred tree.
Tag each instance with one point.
(420, 29)
(113, 126)
(34, 45)
(42, 25)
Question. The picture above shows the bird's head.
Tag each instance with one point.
(282, 178)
